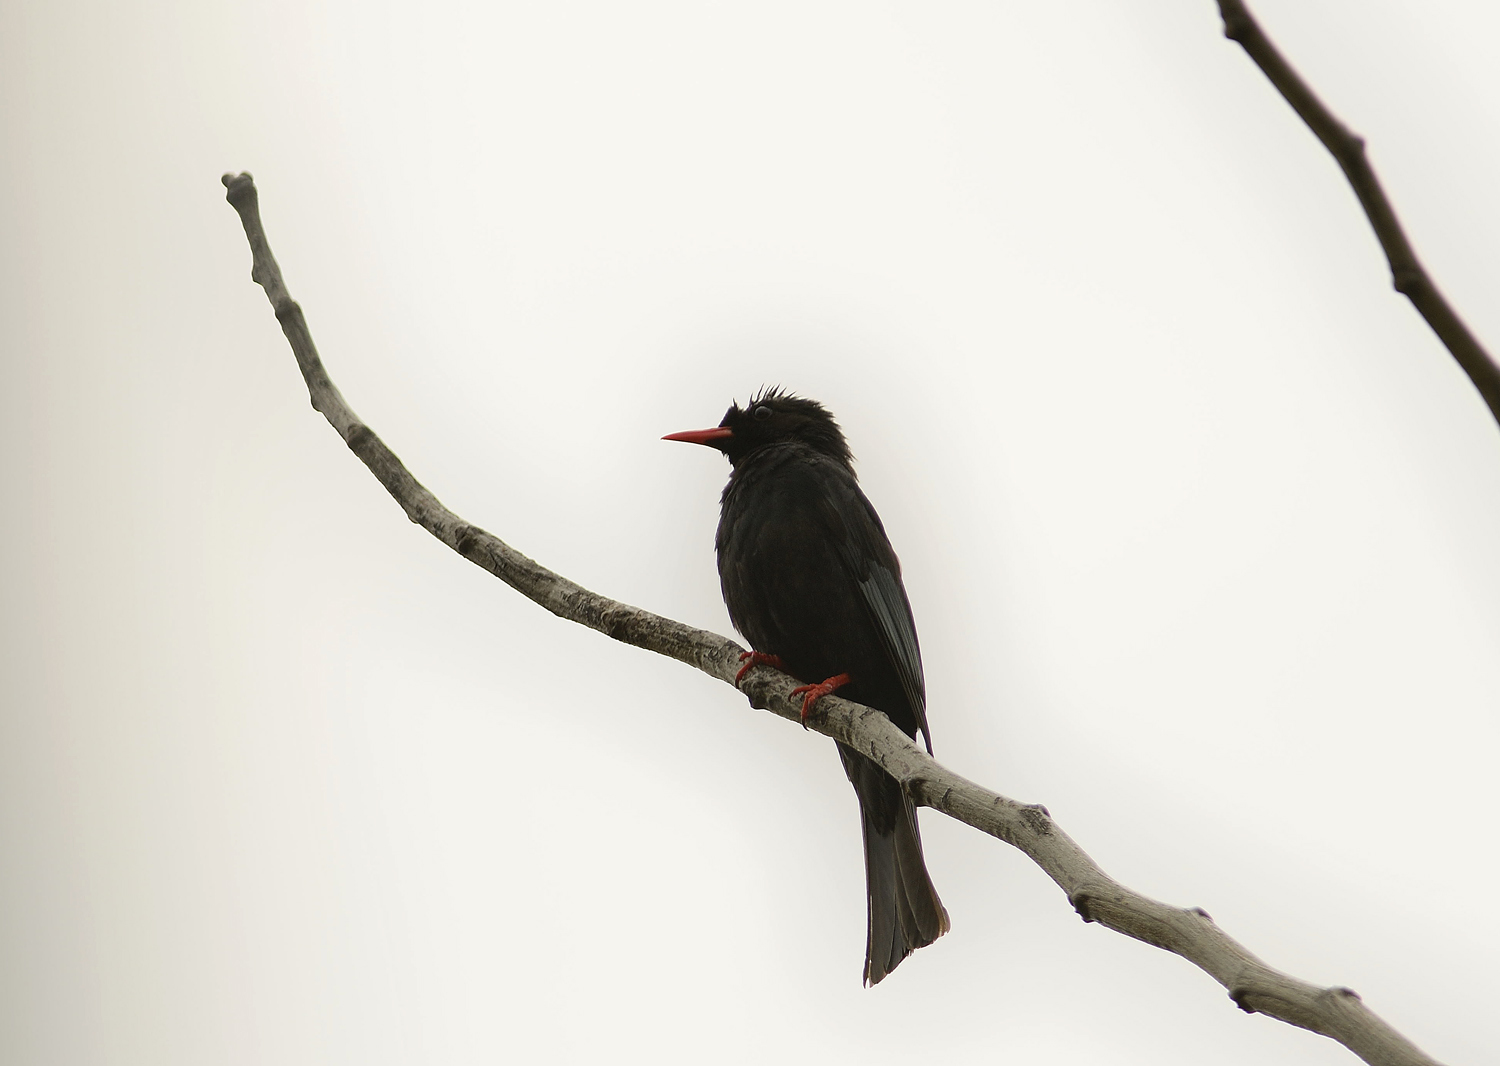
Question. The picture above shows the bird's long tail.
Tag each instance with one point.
(905, 912)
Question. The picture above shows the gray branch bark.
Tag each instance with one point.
(1097, 897)
(1408, 276)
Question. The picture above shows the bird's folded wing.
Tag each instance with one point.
(888, 607)
(869, 559)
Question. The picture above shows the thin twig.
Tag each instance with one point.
(1407, 273)
(1254, 986)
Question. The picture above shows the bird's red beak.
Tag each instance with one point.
(702, 436)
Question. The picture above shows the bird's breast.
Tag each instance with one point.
(782, 550)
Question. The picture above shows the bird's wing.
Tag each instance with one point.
(869, 559)
(887, 605)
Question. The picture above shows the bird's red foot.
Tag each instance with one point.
(813, 693)
(752, 659)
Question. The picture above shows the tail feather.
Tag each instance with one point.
(904, 910)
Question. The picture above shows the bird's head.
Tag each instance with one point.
(772, 417)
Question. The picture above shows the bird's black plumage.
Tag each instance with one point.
(809, 576)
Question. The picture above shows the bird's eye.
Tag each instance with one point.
(761, 413)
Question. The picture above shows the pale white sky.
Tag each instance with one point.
(1197, 518)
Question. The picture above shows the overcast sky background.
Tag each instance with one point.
(1197, 518)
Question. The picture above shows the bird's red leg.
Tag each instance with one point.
(752, 659)
(816, 692)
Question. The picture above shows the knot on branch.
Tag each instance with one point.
(1408, 279)
(1236, 27)
(1241, 998)
(241, 187)
(922, 788)
(1037, 819)
(758, 691)
(466, 538)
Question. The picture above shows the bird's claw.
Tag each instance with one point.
(752, 659)
(811, 694)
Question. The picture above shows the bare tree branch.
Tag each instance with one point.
(1254, 986)
(1407, 273)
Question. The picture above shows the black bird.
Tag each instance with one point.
(811, 582)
